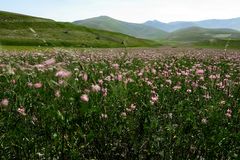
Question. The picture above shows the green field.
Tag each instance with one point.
(21, 30)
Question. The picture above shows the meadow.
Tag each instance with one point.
(160, 103)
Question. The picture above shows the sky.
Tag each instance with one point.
(137, 11)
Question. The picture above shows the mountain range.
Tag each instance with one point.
(174, 31)
(133, 29)
(211, 23)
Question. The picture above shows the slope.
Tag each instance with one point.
(196, 34)
(133, 29)
(22, 30)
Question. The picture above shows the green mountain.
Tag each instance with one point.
(196, 34)
(22, 30)
(133, 29)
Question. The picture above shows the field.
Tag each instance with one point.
(160, 103)
(23, 30)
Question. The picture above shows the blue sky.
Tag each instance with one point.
(127, 10)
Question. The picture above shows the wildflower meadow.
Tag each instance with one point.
(167, 103)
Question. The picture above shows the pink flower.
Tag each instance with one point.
(104, 92)
(199, 72)
(154, 97)
(22, 111)
(63, 74)
(49, 62)
(212, 77)
(177, 87)
(57, 93)
(38, 85)
(85, 77)
(115, 66)
(13, 81)
(119, 77)
(100, 82)
(189, 91)
(96, 88)
(84, 98)
(4, 102)
(169, 81)
(229, 111)
(228, 115)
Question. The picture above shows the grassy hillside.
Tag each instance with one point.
(196, 34)
(133, 29)
(22, 30)
(219, 43)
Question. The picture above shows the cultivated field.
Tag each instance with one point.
(161, 103)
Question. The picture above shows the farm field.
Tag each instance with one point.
(138, 103)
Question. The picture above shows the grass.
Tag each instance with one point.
(21, 30)
(173, 107)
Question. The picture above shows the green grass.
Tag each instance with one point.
(166, 123)
(20, 30)
(222, 44)
(202, 36)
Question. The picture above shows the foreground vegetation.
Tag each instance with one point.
(107, 104)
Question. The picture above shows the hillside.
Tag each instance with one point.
(133, 29)
(22, 30)
(196, 34)
(233, 23)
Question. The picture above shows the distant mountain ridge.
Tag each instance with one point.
(133, 29)
(233, 23)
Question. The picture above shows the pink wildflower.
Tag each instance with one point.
(38, 85)
(22, 111)
(199, 72)
(49, 62)
(104, 92)
(57, 93)
(177, 87)
(84, 98)
(85, 77)
(63, 74)
(119, 77)
(96, 88)
(115, 66)
(4, 102)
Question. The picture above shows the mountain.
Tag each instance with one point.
(17, 29)
(133, 29)
(212, 23)
(197, 34)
